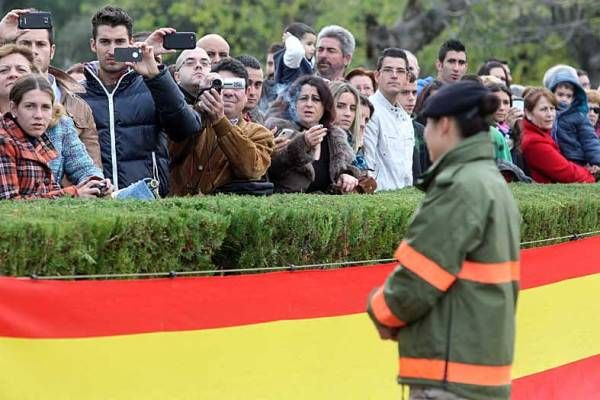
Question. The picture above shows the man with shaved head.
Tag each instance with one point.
(191, 69)
(215, 45)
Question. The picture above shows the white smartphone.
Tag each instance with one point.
(519, 103)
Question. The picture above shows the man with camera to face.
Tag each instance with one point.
(229, 148)
(136, 104)
(41, 42)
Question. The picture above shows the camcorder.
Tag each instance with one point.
(220, 84)
(35, 20)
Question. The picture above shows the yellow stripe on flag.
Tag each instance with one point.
(557, 324)
(325, 358)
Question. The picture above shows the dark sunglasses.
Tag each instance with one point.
(595, 109)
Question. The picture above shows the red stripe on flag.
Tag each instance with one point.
(577, 380)
(545, 265)
(50, 309)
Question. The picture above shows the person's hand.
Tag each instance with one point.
(147, 66)
(95, 187)
(514, 115)
(594, 169)
(280, 143)
(285, 36)
(156, 40)
(314, 136)
(108, 188)
(89, 189)
(9, 25)
(211, 103)
(386, 333)
(347, 183)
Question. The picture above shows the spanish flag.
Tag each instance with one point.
(285, 335)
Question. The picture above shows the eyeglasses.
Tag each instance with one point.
(397, 71)
(595, 109)
(191, 62)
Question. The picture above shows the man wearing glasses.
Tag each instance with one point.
(390, 138)
(191, 69)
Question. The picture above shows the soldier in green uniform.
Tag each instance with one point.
(451, 301)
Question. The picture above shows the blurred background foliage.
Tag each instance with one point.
(531, 34)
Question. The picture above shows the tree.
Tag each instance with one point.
(532, 35)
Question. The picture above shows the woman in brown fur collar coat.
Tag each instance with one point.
(311, 155)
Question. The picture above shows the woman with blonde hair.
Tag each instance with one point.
(348, 117)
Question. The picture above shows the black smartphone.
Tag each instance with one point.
(36, 20)
(180, 41)
(130, 54)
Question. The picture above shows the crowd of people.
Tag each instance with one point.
(304, 123)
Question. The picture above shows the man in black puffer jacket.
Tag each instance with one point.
(135, 106)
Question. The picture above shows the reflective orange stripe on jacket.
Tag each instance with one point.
(438, 277)
(382, 312)
(470, 374)
(493, 273)
(425, 268)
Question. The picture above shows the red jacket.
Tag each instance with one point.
(545, 161)
(24, 170)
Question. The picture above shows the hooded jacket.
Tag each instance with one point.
(134, 119)
(572, 129)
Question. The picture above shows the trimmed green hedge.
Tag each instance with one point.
(70, 236)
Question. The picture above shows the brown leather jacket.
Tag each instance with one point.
(79, 111)
(221, 153)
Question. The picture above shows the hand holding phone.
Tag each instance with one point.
(179, 41)
(519, 103)
(35, 20)
(128, 54)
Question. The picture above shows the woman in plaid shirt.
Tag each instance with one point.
(26, 150)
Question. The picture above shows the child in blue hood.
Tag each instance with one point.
(572, 130)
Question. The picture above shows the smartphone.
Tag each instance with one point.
(180, 41)
(286, 133)
(519, 103)
(128, 54)
(35, 20)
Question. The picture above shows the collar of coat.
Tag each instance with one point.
(476, 147)
(65, 82)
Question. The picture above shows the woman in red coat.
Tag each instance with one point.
(542, 155)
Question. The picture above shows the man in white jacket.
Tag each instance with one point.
(390, 138)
